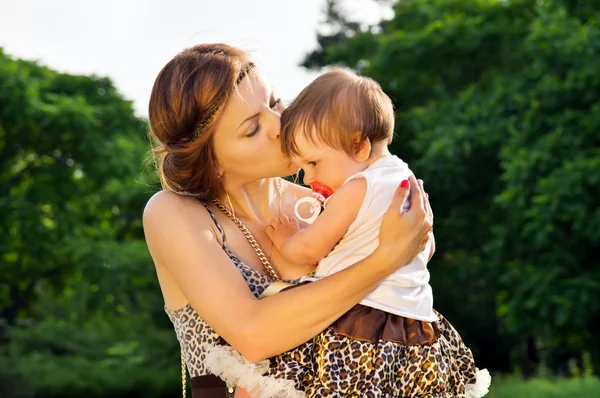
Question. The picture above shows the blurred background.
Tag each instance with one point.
(498, 110)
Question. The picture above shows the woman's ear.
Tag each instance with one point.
(220, 171)
(362, 148)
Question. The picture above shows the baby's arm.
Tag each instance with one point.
(311, 244)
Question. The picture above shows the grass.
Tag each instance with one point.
(514, 387)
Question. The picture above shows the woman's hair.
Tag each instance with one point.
(333, 107)
(187, 100)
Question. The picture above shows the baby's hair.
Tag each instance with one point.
(334, 107)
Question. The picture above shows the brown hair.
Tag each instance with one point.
(187, 99)
(333, 107)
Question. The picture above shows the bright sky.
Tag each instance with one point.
(131, 40)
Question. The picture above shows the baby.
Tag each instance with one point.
(338, 131)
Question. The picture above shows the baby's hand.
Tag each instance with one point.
(281, 229)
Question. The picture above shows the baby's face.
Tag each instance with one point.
(324, 164)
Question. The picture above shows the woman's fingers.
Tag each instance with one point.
(417, 196)
(426, 240)
(400, 196)
(427, 225)
(413, 228)
(428, 211)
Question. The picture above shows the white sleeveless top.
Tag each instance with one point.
(407, 291)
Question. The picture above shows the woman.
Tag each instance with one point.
(216, 124)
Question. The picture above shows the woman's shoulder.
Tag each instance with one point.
(167, 201)
(168, 208)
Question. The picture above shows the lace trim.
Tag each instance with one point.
(235, 370)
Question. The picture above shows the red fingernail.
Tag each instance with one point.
(404, 184)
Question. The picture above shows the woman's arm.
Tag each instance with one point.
(181, 242)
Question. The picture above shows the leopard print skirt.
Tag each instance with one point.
(338, 364)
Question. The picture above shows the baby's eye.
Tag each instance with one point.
(313, 163)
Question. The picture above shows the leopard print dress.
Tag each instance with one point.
(195, 336)
(335, 365)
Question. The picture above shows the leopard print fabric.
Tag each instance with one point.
(336, 366)
(192, 331)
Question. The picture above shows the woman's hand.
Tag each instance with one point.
(404, 235)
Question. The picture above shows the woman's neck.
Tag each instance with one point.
(256, 202)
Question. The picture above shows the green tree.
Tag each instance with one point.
(79, 304)
(67, 143)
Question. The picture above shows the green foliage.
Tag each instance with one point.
(70, 149)
(78, 291)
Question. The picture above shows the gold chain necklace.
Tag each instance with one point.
(261, 255)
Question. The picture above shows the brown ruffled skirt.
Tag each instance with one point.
(371, 353)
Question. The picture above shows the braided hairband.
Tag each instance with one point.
(217, 104)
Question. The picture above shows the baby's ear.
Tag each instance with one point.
(362, 147)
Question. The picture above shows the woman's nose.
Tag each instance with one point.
(275, 127)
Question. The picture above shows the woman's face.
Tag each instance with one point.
(246, 139)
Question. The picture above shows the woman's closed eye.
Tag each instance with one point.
(256, 128)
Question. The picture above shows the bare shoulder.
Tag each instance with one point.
(166, 203)
(170, 211)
